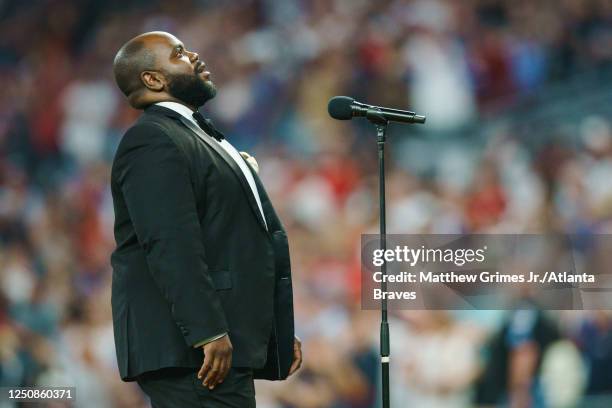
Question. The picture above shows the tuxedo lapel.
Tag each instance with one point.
(274, 223)
(231, 163)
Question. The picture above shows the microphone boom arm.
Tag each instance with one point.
(378, 115)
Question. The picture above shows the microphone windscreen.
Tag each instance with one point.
(339, 107)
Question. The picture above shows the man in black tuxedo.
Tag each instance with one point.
(201, 294)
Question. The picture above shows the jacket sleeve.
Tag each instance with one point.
(158, 192)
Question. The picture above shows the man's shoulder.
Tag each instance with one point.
(148, 129)
(154, 131)
(141, 133)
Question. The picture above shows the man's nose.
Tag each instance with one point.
(194, 57)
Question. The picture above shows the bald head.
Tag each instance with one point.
(140, 54)
(131, 60)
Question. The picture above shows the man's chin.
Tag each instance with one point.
(194, 93)
(212, 89)
(207, 96)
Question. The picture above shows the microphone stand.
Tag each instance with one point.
(380, 122)
(381, 130)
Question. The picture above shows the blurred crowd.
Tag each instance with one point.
(276, 63)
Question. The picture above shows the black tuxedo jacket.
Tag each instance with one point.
(193, 256)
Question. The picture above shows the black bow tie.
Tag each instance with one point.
(207, 126)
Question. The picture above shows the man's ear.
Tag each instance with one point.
(153, 80)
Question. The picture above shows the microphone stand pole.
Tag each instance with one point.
(378, 118)
(380, 122)
(381, 130)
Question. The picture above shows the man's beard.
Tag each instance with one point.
(190, 89)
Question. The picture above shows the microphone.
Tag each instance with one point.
(345, 108)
